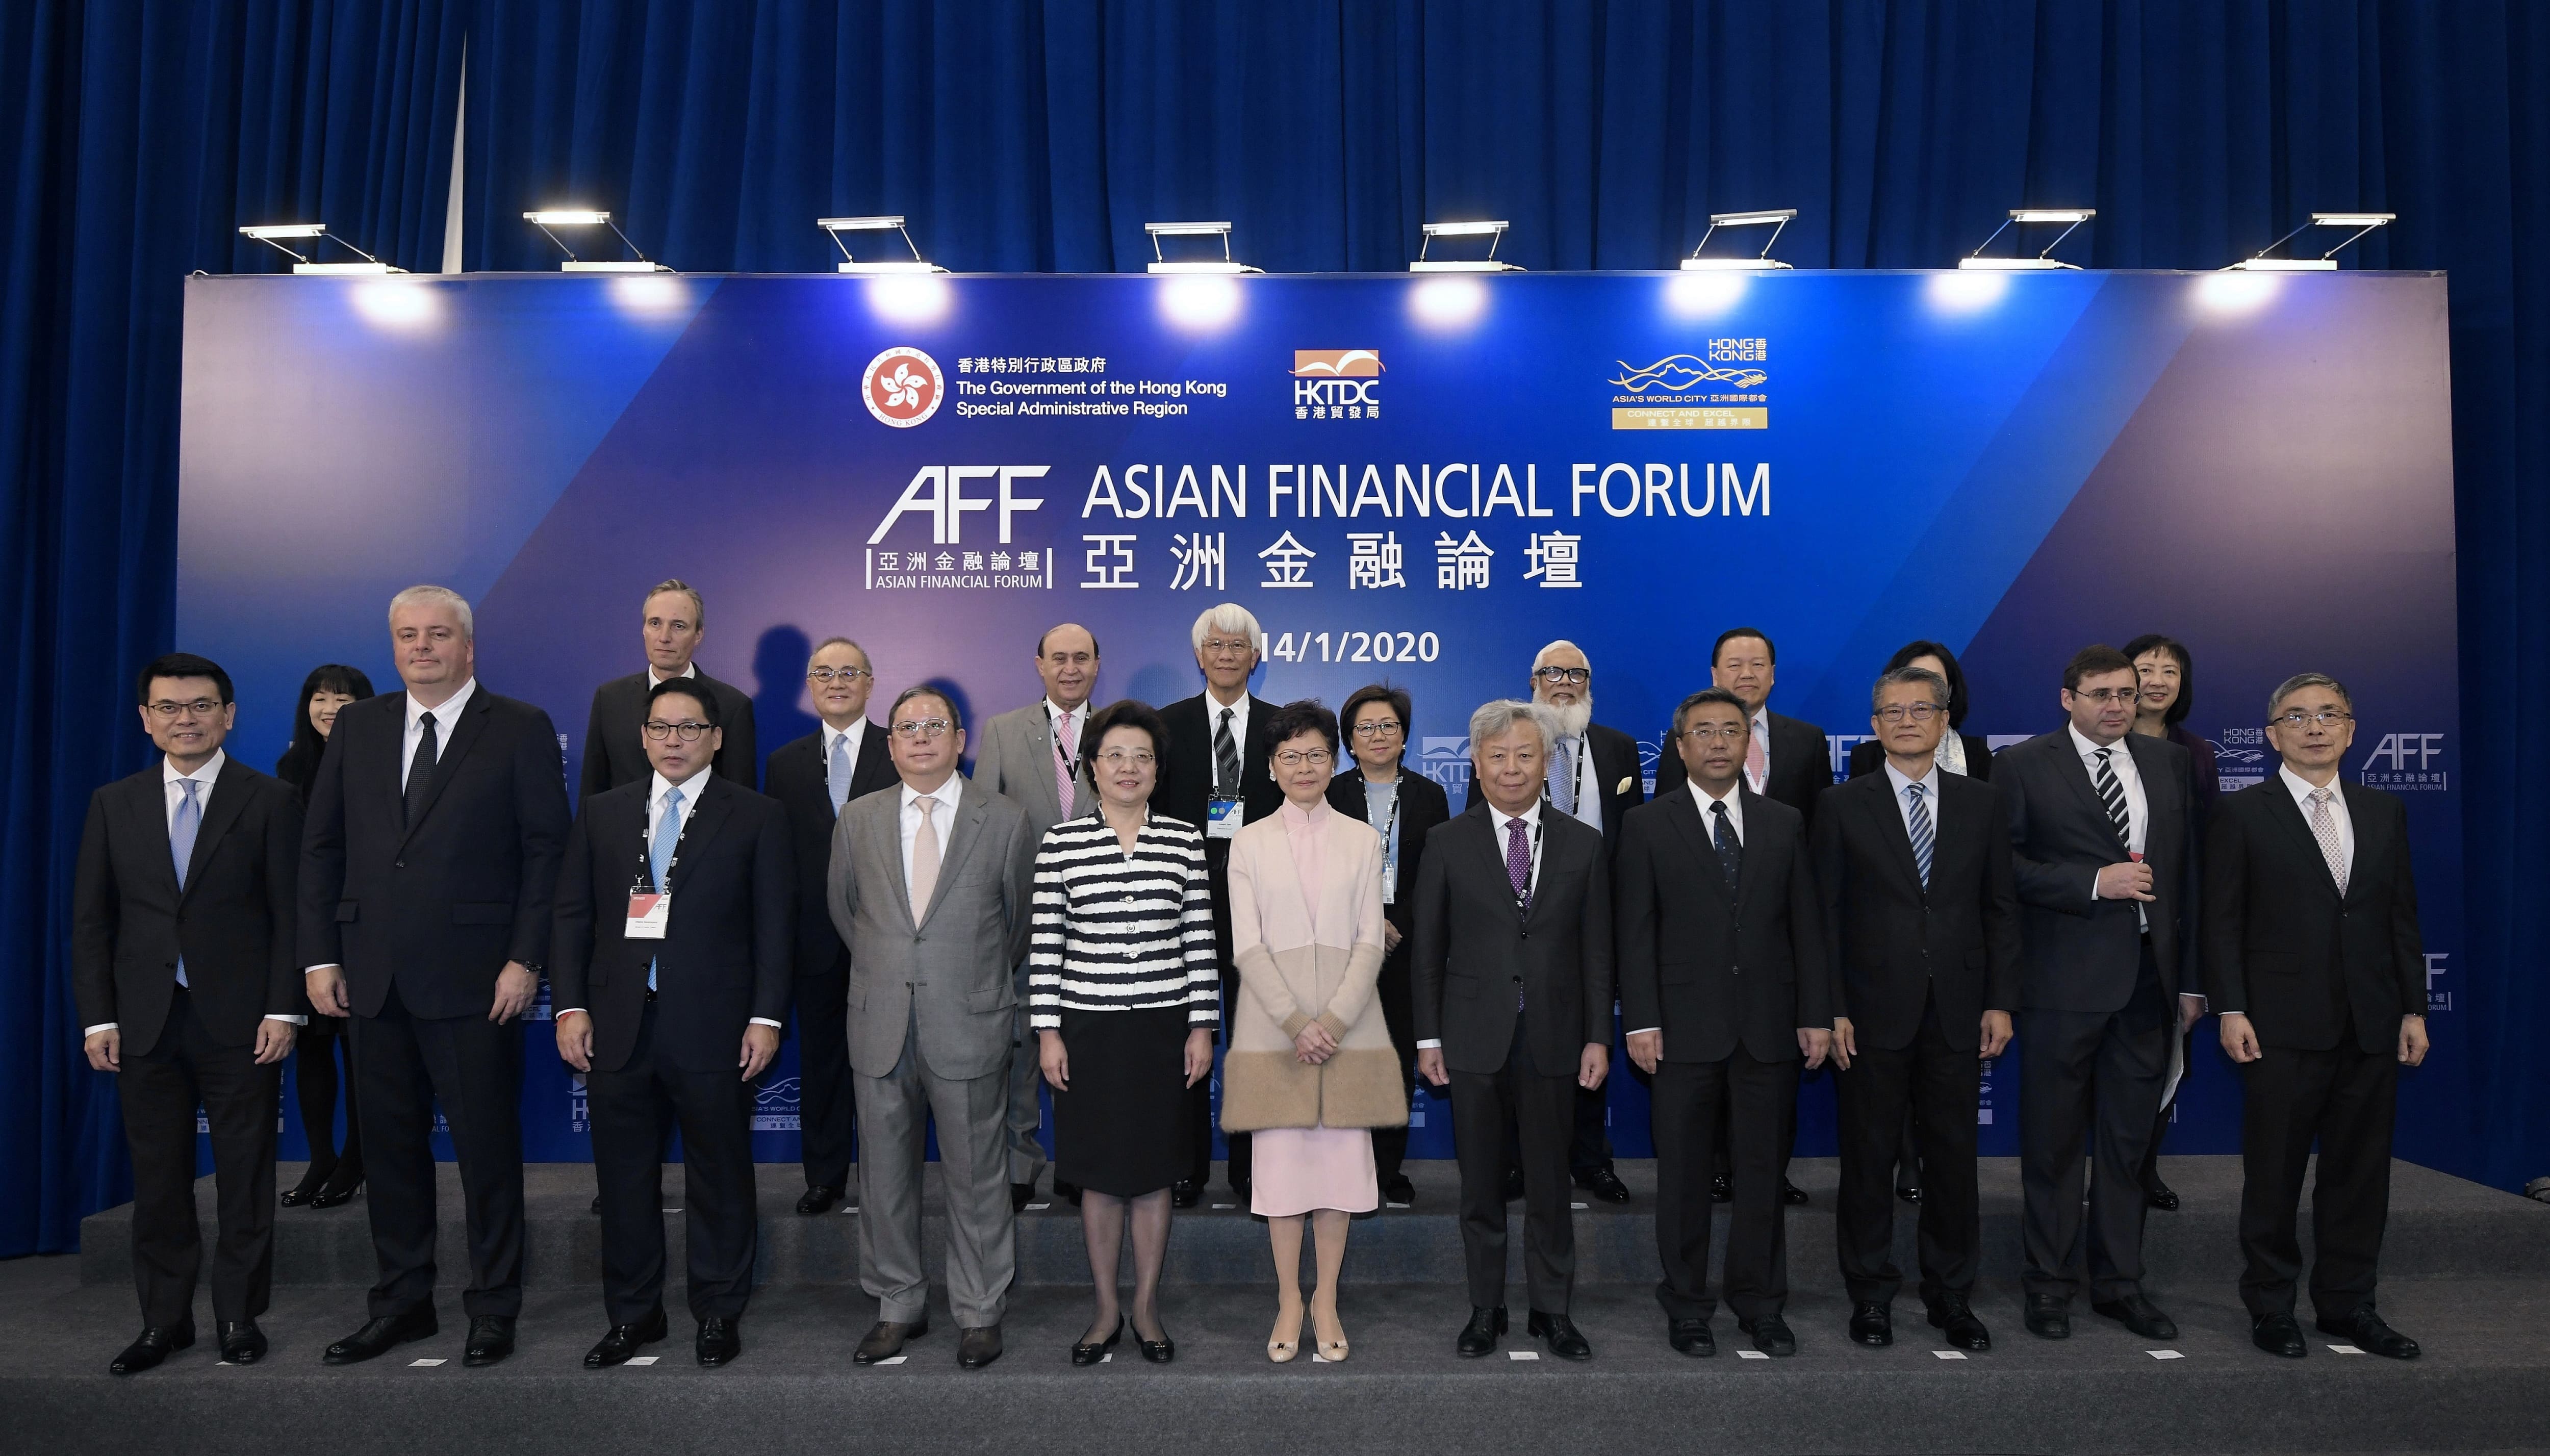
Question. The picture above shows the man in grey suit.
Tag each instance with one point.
(928, 888)
(1033, 754)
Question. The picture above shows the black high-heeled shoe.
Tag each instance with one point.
(1085, 1353)
(342, 1187)
(1159, 1351)
(311, 1185)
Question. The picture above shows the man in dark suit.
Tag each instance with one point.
(1724, 985)
(1214, 775)
(614, 754)
(1921, 911)
(430, 859)
(1403, 807)
(2099, 842)
(812, 778)
(1513, 989)
(672, 952)
(2313, 959)
(1593, 776)
(182, 962)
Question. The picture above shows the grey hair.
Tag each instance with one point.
(837, 641)
(699, 608)
(1228, 617)
(1497, 718)
(441, 596)
(2301, 680)
(1542, 656)
(1938, 686)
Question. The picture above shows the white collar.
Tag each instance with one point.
(205, 775)
(1734, 799)
(2302, 788)
(944, 796)
(1053, 710)
(446, 712)
(1929, 782)
(2087, 750)
(665, 786)
(855, 732)
(689, 669)
(1498, 818)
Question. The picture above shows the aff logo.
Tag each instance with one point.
(2436, 1001)
(903, 387)
(939, 492)
(2400, 752)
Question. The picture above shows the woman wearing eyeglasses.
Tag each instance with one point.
(333, 1177)
(2167, 676)
(1311, 1070)
(1123, 992)
(1401, 806)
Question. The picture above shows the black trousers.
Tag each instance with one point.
(472, 1067)
(1540, 1108)
(315, 1083)
(720, 1226)
(1937, 1087)
(2344, 1098)
(2089, 1086)
(2160, 1125)
(826, 1106)
(1200, 1118)
(1399, 1013)
(1757, 1103)
(160, 1091)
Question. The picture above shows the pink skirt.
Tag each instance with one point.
(1297, 1170)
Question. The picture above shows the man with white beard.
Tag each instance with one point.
(1593, 777)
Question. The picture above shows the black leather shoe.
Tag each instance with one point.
(157, 1344)
(1159, 1351)
(885, 1339)
(2279, 1335)
(597, 1206)
(1020, 1193)
(818, 1198)
(1070, 1192)
(1770, 1336)
(1790, 1194)
(978, 1347)
(625, 1340)
(1560, 1331)
(382, 1336)
(1606, 1184)
(2161, 1195)
(719, 1340)
(1185, 1193)
(243, 1343)
(2138, 1314)
(1722, 1188)
(1691, 1337)
(308, 1187)
(1951, 1317)
(491, 1338)
(1909, 1193)
(1513, 1184)
(1090, 1352)
(1239, 1193)
(2049, 1317)
(1400, 1191)
(341, 1189)
(1872, 1323)
(1479, 1336)
(2369, 1334)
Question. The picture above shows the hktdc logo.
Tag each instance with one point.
(902, 387)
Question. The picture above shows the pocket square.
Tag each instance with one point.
(1622, 787)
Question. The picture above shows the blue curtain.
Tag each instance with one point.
(1040, 137)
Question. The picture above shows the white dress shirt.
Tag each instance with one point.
(1498, 818)
(2137, 806)
(657, 679)
(856, 733)
(659, 787)
(1930, 783)
(943, 814)
(203, 778)
(445, 714)
(1735, 802)
(2301, 789)
(1212, 711)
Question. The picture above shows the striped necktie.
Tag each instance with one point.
(1917, 811)
(2113, 795)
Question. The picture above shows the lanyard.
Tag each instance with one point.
(1070, 761)
(1584, 756)
(644, 879)
(1530, 876)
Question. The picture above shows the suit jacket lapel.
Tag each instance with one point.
(1752, 836)
(885, 849)
(970, 810)
(448, 755)
(221, 810)
(717, 801)
(1899, 839)
(2284, 810)
(147, 803)
(1684, 815)
(2085, 788)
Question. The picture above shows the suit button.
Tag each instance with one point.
(400, 864)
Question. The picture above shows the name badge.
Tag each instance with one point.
(648, 913)
(1223, 817)
(1388, 883)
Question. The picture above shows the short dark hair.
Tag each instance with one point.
(1394, 696)
(1706, 696)
(181, 664)
(1955, 676)
(1896, 677)
(1093, 640)
(955, 715)
(1732, 633)
(2152, 641)
(1298, 717)
(688, 687)
(1124, 712)
(2095, 661)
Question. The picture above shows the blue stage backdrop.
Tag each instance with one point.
(1419, 479)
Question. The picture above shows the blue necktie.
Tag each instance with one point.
(837, 779)
(1918, 810)
(181, 843)
(659, 853)
(1731, 850)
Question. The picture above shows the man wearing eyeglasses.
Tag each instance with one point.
(930, 884)
(1033, 754)
(674, 623)
(671, 972)
(2100, 845)
(812, 777)
(1921, 913)
(1594, 778)
(2313, 959)
(182, 963)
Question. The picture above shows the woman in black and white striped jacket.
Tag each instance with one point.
(1124, 991)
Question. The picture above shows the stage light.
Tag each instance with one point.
(833, 227)
(1778, 217)
(1160, 264)
(2071, 217)
(273, 234)
(1966, 293)
(1495, 233)
(1448, 302)
(1200, 302)
(2235, 292)
(910, 298)
(545, 219)
(1700, 295)
(397, 304)
(2326, 262)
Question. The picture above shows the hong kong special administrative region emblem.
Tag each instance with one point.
(903, 387)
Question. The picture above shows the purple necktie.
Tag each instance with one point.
(1518, 859)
